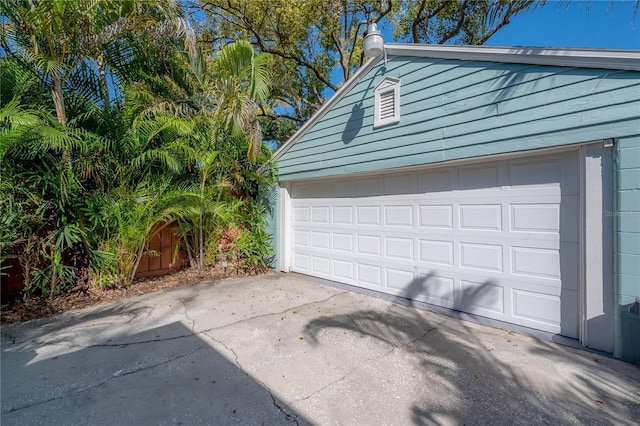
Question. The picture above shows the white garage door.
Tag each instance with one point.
(496, 239)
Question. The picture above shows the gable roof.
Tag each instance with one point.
(617, 59)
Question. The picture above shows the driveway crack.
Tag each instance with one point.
(186, 314)
(289, 416)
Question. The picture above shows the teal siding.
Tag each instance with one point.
(454, 109)
(627, 248)
(459, 109)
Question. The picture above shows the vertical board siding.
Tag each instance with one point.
(456, 109)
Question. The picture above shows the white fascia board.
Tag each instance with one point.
(585, 58)
(346, 87)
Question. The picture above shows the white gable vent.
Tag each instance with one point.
(387, 102)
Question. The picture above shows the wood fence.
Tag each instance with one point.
(164, 244)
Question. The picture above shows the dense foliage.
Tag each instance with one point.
(114, 123)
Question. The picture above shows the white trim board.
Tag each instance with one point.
(582, 58)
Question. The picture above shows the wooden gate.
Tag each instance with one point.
(165, 244)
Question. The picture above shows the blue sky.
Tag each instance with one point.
(599, 24)
(594, 24)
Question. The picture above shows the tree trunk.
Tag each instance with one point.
(136, 262)
(104, 88)
(58, 100)
(54, 275)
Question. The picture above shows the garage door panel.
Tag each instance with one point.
(535, 218)
(398, 279)
(398, 215)
(481, 256)
(369, 245)
(535, 262)
(301, 238)
(320, 214)
(343, 189)
(438, 252)
(301, 214)
(497, 239)
(399, 248)
(369, 275)
(343, 242)
(368, 215)
(321, 239)
(321, 266)
(435, 289)
(342, 215)
(480, 217)
(310, 191)
(481, 297)
(345, 270)
(435, 216)
(302, 262)
(538, 307)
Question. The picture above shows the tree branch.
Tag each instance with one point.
(505, 20)
(416, 21)
(279, 116)
(458, 26)
(419, 19)
(259, 41)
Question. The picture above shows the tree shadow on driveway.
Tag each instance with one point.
(456, 372)
(165, 375)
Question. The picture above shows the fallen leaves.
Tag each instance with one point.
(25, 309)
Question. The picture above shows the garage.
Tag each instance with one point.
(496, 182)
(495, 239)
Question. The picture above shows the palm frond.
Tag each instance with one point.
(161, 156)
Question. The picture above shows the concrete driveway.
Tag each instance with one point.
(280, 350)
